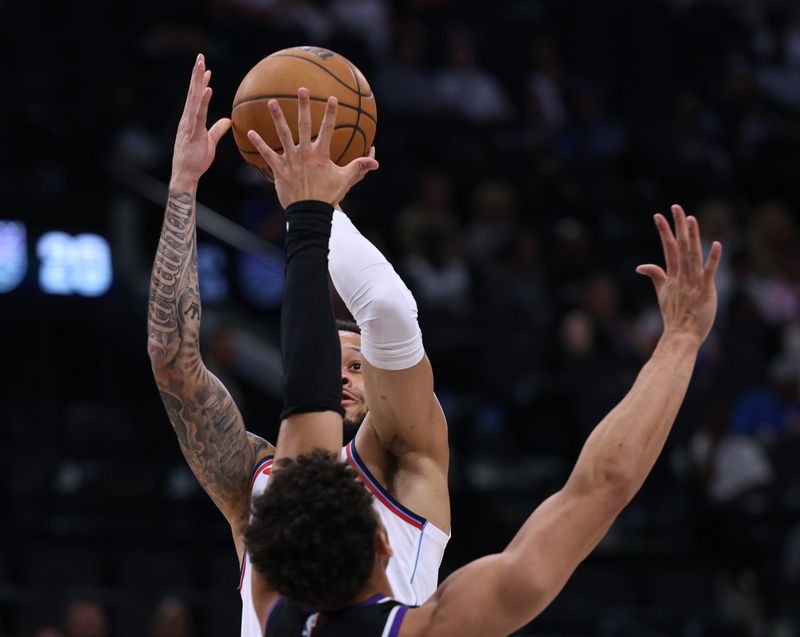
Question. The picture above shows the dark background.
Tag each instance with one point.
(525, 145)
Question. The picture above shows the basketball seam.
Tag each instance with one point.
(363, 136)
(358, 116)
(249, 100)
(333, 75)
(361, 111)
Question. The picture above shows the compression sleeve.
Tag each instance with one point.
(312, 359)
(376, 296)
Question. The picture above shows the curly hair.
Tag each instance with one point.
(312, 534)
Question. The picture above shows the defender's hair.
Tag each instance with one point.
(313, 532)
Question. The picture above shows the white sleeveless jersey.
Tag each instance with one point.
(417, 544)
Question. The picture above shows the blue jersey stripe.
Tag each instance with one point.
(416, 563)
(258, 466)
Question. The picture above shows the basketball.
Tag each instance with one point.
(324, 73)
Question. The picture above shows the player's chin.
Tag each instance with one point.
(353, 414)
(352, 411)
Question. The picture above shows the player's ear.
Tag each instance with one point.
(382, 542)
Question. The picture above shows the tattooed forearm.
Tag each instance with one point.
(208, 424)
(174, 284)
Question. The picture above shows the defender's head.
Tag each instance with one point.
(355, 406)
(314, 535)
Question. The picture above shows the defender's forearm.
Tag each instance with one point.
(206, 421)
(173, 321)
(614, 463)
(310, 350)
(624, 447)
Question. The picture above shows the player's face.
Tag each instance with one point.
(355, 407)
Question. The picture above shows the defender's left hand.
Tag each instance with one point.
(687, 293)
(195, 146)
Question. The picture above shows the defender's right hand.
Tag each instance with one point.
(687, 293)
(304, 170)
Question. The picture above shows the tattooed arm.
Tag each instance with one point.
(210, 430)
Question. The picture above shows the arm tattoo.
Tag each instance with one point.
(261, 447)
(173, 284)
(209, 427)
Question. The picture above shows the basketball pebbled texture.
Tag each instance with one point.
(324, 73)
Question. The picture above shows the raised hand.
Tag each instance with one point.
(195, 146)
(305, 170)
(687, 293)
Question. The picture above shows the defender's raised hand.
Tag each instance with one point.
(195, 146)
(687, 293)
(304, 171)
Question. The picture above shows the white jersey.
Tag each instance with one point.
(417, 544)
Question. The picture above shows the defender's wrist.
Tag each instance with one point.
(179, 184)
(684, 340)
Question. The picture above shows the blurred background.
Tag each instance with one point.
(525, 145)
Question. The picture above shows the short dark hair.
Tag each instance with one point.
(313, 532)
(344, 325)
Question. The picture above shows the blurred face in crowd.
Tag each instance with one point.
(86, 619)
(355, 406)
(577, 334)
(172, 619)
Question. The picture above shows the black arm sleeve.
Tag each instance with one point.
(311, 354)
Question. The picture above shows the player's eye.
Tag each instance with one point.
(355, 366)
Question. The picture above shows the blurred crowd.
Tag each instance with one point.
(89, 618)
(525, 145)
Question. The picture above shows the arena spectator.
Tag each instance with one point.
(86, 618)
(172, 619)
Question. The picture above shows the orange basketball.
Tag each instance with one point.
(324, 73)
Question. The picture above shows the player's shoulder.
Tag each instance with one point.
(417, 621)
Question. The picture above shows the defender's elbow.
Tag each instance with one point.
(619, 487)
(614, 482)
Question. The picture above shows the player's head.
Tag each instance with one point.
(355, 406)
(314, 535)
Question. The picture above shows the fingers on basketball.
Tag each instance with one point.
(284, 134)
(303, 117)
(323, 141)
(359, 167)
(270, 156)
(325, 74)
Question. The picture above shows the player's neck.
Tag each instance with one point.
(378, 584)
